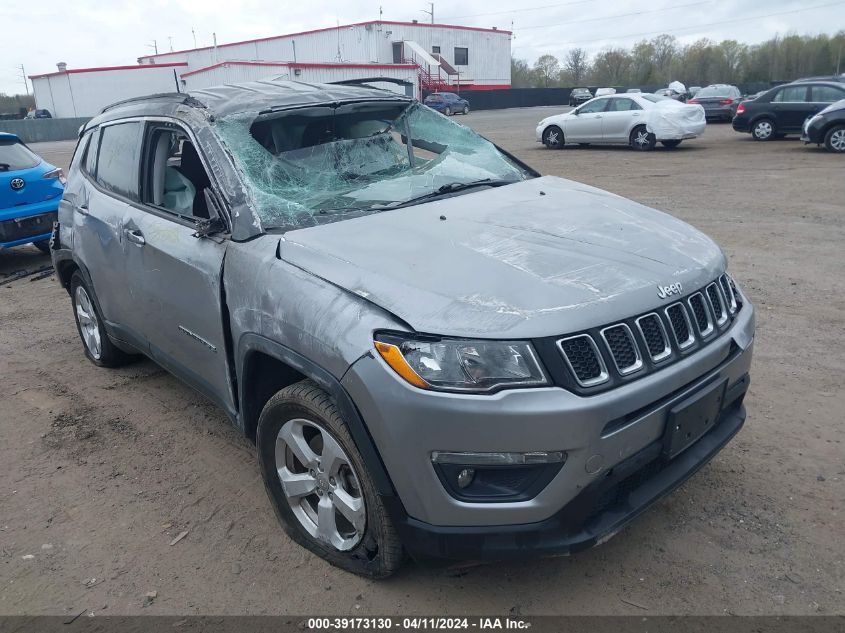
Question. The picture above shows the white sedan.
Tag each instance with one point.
(638, 120)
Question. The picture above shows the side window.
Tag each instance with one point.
(89, 165)
(174, 176)
(623, 105)
(461, 56)
(827, 94)
(791, 94)
(118, 158)
(435, 50)
(592, 107)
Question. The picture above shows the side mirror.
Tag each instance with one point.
(215, 222)
(575, 112)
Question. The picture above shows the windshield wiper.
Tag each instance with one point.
(450, 187)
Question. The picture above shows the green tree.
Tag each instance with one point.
(521, 75)
(576, 65)
(611, 67)
(547, 71)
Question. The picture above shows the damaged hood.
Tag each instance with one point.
(538, 258)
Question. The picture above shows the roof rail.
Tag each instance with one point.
(161, 95)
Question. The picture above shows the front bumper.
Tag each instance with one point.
(27, 223)
(595, 515)
(812, 132)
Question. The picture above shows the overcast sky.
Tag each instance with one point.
(87, 33)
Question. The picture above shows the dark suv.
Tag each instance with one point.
(447, 103)
(783, 110)
(579, 96)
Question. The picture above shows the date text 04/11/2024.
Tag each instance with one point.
(418, 623)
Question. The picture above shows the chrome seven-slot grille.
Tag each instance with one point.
(660, 335)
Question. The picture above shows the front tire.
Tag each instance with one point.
(763, 130)
(670, 144)
(466, 109)
(321, 491)
(89, 324)
(834, 140)
(642, 140)
(553, 137)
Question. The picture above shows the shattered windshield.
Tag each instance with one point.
(322, 164)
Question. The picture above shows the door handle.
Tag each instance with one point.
(83, 209)
(135, 236)
(598, 116)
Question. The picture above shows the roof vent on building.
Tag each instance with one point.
(495, 28)
(415, 21)
(62, 66)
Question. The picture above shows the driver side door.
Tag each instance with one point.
(584, 125)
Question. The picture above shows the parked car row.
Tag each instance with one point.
(813, 107)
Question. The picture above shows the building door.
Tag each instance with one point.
(397, 52)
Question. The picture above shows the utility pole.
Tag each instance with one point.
(195, 36)
(838, 58)
(431, 12)
(170, 40)
(23, 76)
(153, 46)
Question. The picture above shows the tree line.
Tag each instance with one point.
(12, 104)
(662, 59)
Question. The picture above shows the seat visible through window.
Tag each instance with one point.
(178, 176)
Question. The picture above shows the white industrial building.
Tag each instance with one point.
(413, 56)
(82, 92)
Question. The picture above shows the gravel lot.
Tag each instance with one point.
(100, 469)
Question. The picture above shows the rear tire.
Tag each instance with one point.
(553, 137)
(670, 144)
(834, 140)
(448, 111)
(466, 109)
(303, 441)
(642, 140)
(43, 246)
(763, 130)
(89, 324)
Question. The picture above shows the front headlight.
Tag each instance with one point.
(445, 364)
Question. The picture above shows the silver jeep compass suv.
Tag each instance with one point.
(435, 350)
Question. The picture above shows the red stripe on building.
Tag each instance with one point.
(297, 65)
(71, 71)
(329, 28)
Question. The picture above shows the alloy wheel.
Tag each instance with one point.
(320, 484)
(89, 326)
(837, 140)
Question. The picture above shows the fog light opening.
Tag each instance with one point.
(465, 477)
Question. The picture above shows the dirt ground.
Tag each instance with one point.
(100, 470)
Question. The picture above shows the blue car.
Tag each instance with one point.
(447, 103)
(30, 191)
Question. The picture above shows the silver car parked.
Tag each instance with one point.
(435, 350)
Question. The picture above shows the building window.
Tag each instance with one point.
(461, 56)
(435, 50)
